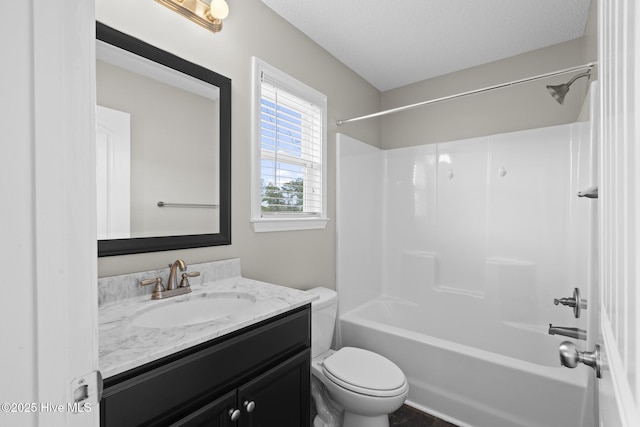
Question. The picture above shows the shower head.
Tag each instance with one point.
(560, 91)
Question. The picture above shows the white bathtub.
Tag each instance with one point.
(470, 379)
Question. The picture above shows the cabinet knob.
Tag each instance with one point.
(249, 406)
(234, 414)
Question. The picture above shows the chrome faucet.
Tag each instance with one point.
(576, 302)
(172, 289)
(576, 333)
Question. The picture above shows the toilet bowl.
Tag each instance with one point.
(364, 384)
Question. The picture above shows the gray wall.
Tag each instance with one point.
(300, 259)
(526, 106)
(161, 114)
(305, 259)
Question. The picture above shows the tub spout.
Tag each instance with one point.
(577, 333)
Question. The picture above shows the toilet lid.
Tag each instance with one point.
(364, 372)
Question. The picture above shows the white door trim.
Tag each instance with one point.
(619, 211)
(113, 164)
(50, 309)
(65, 216)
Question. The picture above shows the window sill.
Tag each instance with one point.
(262, 225)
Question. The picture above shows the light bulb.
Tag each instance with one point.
(219, 9)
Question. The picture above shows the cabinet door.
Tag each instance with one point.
(215, 414)
(279, 397)
(163, 391)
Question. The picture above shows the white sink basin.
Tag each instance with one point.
(191, 311)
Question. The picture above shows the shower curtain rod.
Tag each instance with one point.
(589, 65)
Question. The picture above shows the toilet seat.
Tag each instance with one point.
(364, 372)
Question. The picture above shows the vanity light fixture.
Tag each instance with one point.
(207, 13)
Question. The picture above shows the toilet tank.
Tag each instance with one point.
(323, 320)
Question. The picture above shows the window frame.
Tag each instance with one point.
(273, 221)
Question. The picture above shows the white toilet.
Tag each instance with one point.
(366, 385)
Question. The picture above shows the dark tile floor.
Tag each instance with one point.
(407, 416)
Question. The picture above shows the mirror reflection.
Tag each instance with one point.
(156, 142)
(159, 154)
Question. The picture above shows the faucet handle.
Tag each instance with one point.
(155, 281)
(575, 302)
(158, 288)
(184, 283)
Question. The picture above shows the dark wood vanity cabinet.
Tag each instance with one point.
(256, 377)
(215, 414)
(276, 398)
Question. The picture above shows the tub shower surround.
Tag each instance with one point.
(123, 345)
(454, 273)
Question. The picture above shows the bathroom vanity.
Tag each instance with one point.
(248, 368)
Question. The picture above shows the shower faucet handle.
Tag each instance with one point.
(575, 302)
(589, 193)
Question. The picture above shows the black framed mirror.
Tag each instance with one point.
(179, 201)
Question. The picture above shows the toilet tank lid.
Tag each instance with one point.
(327, 297)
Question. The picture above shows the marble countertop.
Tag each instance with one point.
(123, 345)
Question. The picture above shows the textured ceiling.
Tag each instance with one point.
(392, 43)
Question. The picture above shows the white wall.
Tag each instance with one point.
(18, 360)
(298, 259)
(359, 219)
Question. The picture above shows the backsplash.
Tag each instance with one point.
(116, 288)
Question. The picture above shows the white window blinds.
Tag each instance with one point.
(291, 151)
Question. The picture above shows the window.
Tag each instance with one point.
(289, 150)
